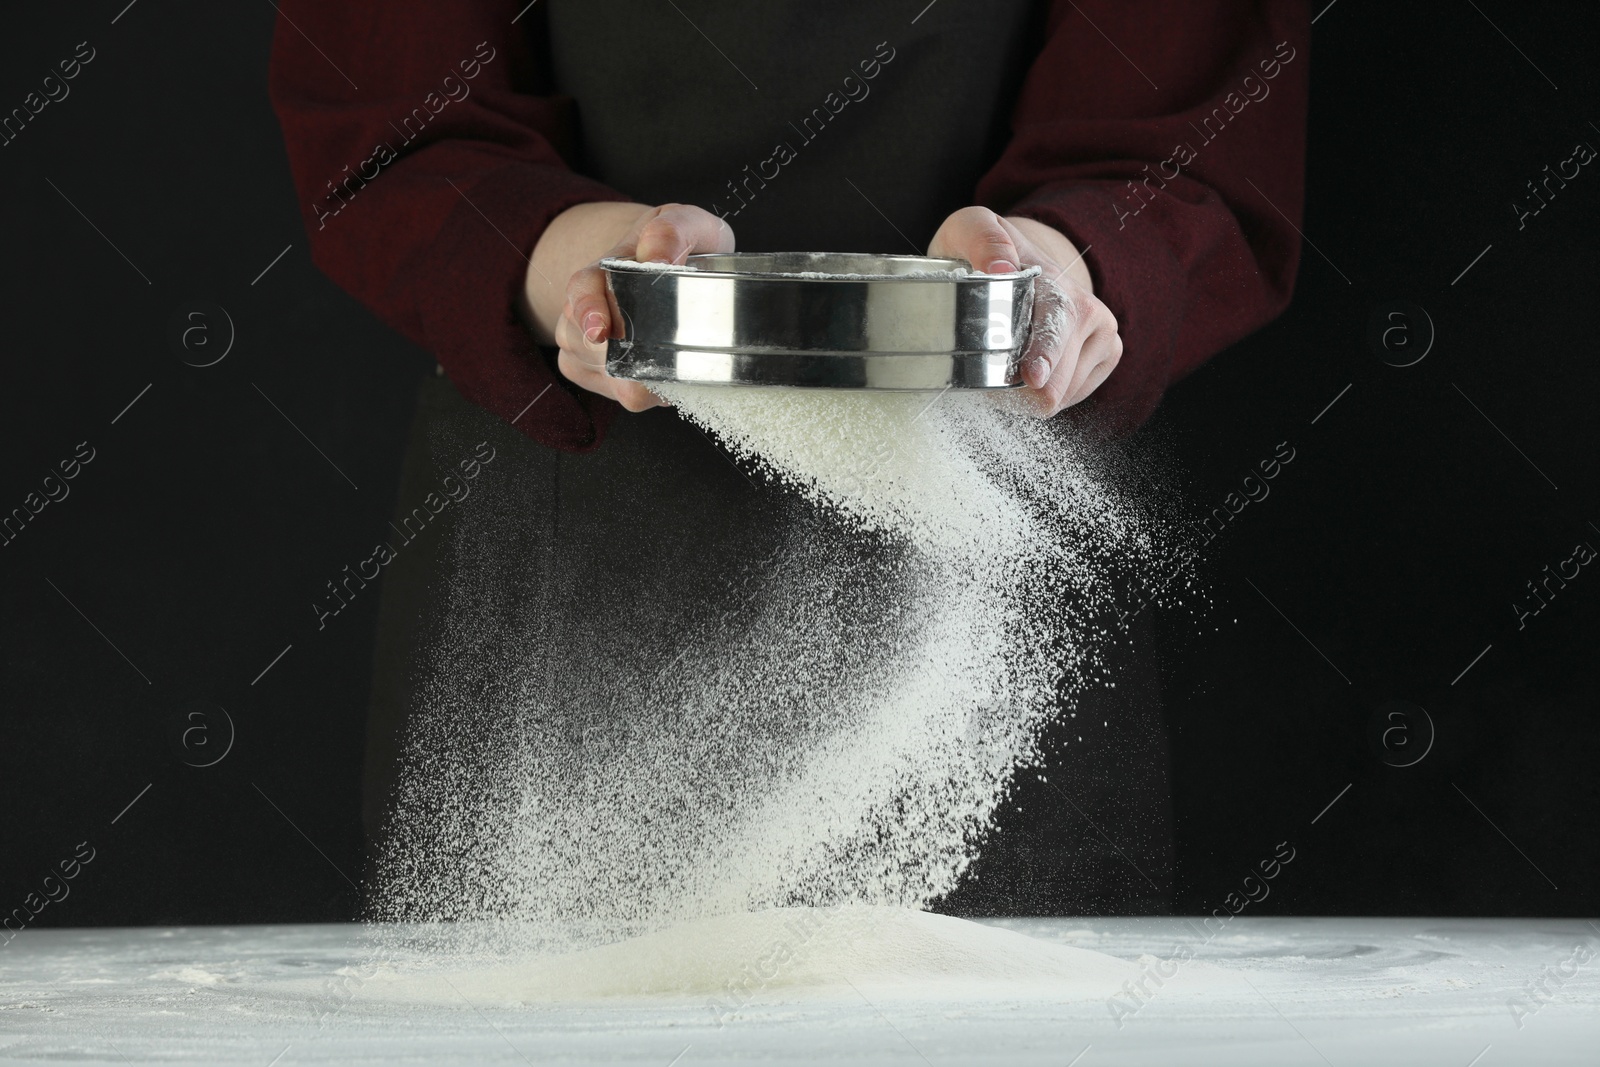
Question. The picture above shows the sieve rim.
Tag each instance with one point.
(932, 268)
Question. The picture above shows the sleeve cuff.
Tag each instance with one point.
(1137, 276)
(468, 294)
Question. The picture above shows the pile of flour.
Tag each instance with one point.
(844, 741)
(782, 954)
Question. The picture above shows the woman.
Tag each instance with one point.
(462, 174)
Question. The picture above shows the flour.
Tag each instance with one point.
(650, 265)
(1053, 317)
(729, 961)
(841, 736)
(941, 275)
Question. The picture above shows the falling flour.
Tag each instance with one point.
(843, 739)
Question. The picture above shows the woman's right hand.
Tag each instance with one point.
(572, 247)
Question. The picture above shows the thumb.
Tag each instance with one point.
(676, 231)
(980, 237)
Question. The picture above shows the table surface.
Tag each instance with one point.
(1279, 991)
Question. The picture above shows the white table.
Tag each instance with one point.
(1262, 991)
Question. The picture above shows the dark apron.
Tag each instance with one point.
(619, 544)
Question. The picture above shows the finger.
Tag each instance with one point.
(634, 395)
(1053, 393)
(588, 305)
(584, 364)
(669, 233)
(1054, 338)
(1101, 354)
(679, 230)
(571, 338)
(1056, 353)
(631, 395)
(591, 316)
(980, 237)
(1102, 344)
(577, 371)
(1074, 380)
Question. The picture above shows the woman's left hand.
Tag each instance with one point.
(1074, 345)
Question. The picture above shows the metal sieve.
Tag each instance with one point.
(837, 320)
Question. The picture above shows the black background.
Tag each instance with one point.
(1391, 549)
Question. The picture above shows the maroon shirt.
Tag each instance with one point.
(1166, 138)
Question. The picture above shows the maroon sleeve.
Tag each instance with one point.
(1168, 140)
(425, 160)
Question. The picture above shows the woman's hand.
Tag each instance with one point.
(1074, 344)
(581, 315)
